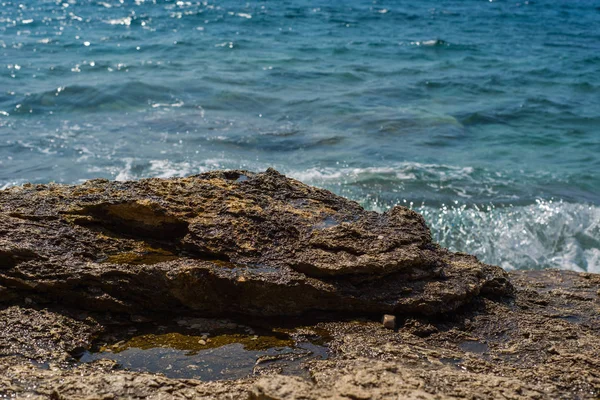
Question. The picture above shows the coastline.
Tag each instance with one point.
(82, 270)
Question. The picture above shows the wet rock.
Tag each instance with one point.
(420, 327)
(43, 335)
(214, 244)
(514, 348)
(366, 360)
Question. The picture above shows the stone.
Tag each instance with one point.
(389, 321)
(184, 243)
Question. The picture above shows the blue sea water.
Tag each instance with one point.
(483, 115)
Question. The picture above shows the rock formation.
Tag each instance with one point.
(226, 242)
(109, 265)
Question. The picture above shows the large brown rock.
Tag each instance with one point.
(233, 241)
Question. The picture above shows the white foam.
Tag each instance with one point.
(161, 168)
(405, 171)
(316, 174)
(125, 173)
(126, 21)
(168, 169)
(592, 257)
(546, 234)
(6, 185)
(178, 104)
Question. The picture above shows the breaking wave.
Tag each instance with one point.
(546, 234)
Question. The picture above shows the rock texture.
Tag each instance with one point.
(80, 264)
(257, 244)
(544, 344)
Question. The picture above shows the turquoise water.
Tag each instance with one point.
(482, 115)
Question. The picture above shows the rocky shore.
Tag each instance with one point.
(232, 284)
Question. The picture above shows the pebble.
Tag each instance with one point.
(389, 321)
(202, 342)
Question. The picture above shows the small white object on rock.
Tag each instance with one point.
(389, 321)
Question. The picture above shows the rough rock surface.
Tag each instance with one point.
(79, 263)
(544, 344)
(230, 241)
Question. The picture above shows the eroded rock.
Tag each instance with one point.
(214, 243)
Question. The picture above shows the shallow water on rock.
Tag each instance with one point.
(212, 357)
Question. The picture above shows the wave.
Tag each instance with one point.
(132, 168)
(129, 95)
(546, 234)
(437, 183)
(400, 171)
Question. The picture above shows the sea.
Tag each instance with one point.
(482, 115)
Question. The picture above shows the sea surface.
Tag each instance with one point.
(483, 115)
